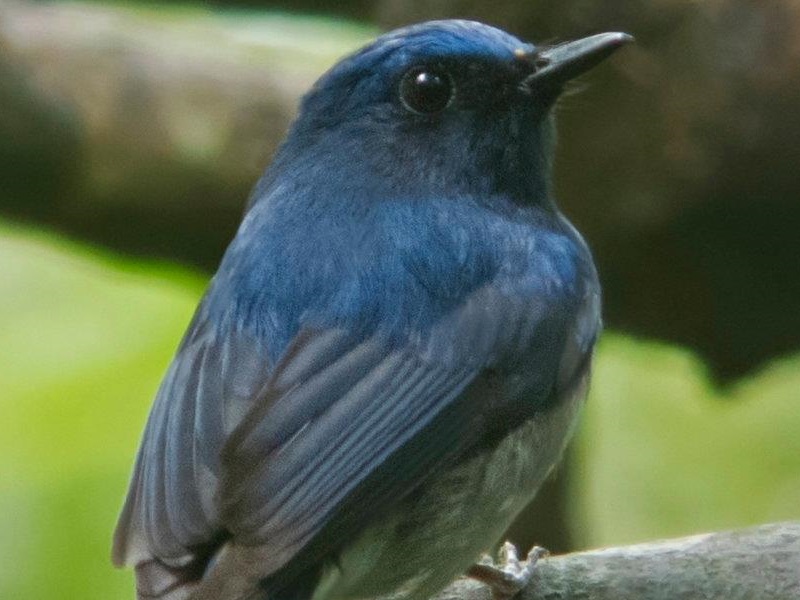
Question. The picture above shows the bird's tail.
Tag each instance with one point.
(156, 580)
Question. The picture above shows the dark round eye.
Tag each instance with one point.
(426, 90)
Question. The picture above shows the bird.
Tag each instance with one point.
(393, 352)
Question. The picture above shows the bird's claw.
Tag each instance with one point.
(509, 575)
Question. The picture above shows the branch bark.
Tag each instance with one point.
(761, 563)
(155, 120)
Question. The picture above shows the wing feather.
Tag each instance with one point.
(328, 420)
(348, 416)
(270, 455)
(171, 507)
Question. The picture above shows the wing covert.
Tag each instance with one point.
(171, 507)
(327, 421)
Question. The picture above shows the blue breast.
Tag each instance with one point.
(396, 268)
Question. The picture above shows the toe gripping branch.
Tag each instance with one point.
(509, 575)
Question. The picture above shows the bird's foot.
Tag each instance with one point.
(509, 575)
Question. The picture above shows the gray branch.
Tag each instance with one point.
(761, 563)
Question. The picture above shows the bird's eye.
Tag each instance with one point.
(426, 90)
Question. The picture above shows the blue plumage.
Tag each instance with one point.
(392, 353)
(369, 273)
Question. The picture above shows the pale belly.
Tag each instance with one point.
(433, 537)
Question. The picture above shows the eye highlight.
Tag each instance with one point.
(426, 90)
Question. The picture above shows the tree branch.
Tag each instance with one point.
(761, 563)
(154, 121)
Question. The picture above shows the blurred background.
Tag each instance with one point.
(131, 134)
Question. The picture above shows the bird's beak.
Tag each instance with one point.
(555, 65)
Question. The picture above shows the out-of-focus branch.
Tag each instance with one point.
(156, 120)
(762, 563)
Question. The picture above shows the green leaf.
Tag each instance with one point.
(84, 341)
(663, 453)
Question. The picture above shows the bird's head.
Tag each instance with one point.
(444, 107)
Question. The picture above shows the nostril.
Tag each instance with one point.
(540, 62)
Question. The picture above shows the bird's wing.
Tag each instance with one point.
(335, 410)
(170, 521)
(270, 455)
(341, 409)
(331, 411)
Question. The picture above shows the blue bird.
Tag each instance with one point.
(391, 357)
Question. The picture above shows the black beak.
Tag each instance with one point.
(556, 65)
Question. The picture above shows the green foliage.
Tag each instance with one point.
(663, 453)
(84, 340)
(83, 344)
